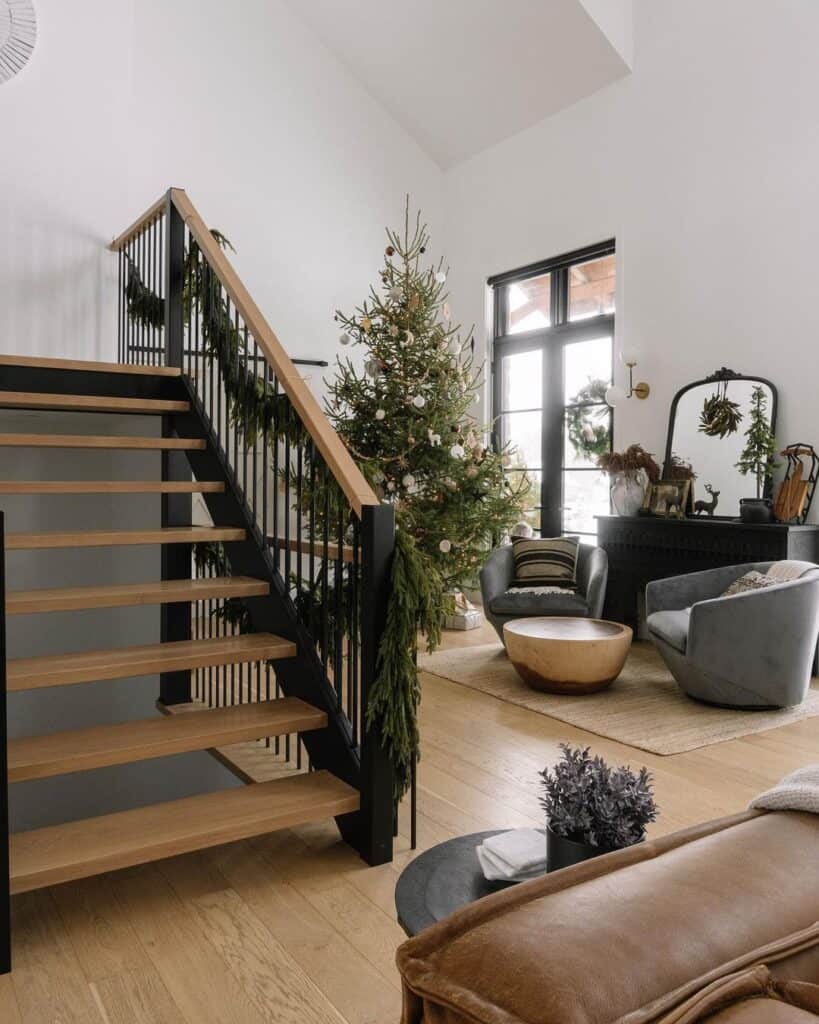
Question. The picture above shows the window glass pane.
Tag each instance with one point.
(587, 370)
(529, 304)
(587, 435)
(591, 288)
(522, 381)
(523, 431)
(585, 495)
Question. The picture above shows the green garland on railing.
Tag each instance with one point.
(416, 597)
(417, 592)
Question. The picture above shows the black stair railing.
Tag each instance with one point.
(307, 505)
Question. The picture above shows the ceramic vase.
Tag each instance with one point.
(627, 492)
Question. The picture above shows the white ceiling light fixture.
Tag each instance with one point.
(18, 33)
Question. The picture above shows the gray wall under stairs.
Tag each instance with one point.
(85, 794)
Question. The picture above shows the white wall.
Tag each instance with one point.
(274, 140)
(703, 165)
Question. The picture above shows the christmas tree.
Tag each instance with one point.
(757, 457)
(409, 418)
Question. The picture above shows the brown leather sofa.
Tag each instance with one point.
(719, 922)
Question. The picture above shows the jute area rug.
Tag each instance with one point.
(644, 707)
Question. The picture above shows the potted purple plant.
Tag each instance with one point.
(592, 808)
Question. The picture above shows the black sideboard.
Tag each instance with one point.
(644, 548)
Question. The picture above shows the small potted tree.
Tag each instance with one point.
(757, 459)
(592, 808)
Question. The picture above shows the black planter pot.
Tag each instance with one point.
(562, 852)
(756, 510)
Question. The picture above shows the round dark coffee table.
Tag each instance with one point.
(441, 880)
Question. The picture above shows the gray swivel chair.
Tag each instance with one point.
(502, 603)
(751, 650)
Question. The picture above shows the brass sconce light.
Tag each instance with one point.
(616, 394)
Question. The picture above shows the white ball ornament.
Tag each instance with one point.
(380, 414)
(440, 277)
(457, 451)
(395, 294)
(419, 401)
(344, 339)
(390, 485)
(408, 481)
(445, 546)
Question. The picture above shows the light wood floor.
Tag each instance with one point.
(293, 928)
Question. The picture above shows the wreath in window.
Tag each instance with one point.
(588, 427)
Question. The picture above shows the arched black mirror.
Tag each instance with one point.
(706, 428)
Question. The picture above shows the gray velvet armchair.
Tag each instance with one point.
(502, 603)
(751, 650)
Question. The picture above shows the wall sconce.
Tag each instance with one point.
(616, 394)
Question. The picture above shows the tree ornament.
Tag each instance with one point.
(440, 277)
(344, 339)
(445, 546)
(380, 414)
(506, 461)
(395, 294)
(446, 313)
(390, 485)
(389, 251)
(410, 337)
(392, 330)
(366, 324)
(419, 401)
(457, 451)
(471, 471)
(408, 481)
(373, 367)
(434, 439)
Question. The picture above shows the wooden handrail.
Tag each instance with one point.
(151, 214)
(341, 463)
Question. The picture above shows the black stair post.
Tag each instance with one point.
(377, 806)
(177, 509)
(5, 900)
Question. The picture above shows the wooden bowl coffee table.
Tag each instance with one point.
(566, 655)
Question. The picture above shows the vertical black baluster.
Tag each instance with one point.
(265, 455)
(267, 690)
(275, 483)
(338, 585)
(312, 540)
(289, 411)
(277, 741)
(237, 369)
(120, 358)
(325, 568)
(241, 336)
(255, 460)
(299, 509)
(355, 569)
(154, 277)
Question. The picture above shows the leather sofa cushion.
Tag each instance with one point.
(763, 1011)
(519, 602)
(672, 627)
(630, 935)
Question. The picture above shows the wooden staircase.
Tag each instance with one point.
(76, 849)
(297, 566)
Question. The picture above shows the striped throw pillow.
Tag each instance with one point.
(545, 562)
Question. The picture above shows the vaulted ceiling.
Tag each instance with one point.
(461, 75)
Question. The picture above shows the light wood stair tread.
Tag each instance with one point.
(78, 849)
(147, 659)
(116, 538)
(22, 602)
(89, 403)
(101, 441)
(111, 487)
(38, 757)
(88, 365)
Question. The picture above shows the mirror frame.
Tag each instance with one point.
(723, 374)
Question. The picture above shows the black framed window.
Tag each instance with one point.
(552, 361)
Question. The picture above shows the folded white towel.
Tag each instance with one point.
(798, 791)
(521, 849)
(513, 855)
(496, 871)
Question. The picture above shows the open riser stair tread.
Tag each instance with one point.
(103, 441)
(89, 403)
(111, 487)
(87, 365)
(78, 849)
(23, 602)
(38, 757)
(147, 659)
(115, 538)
